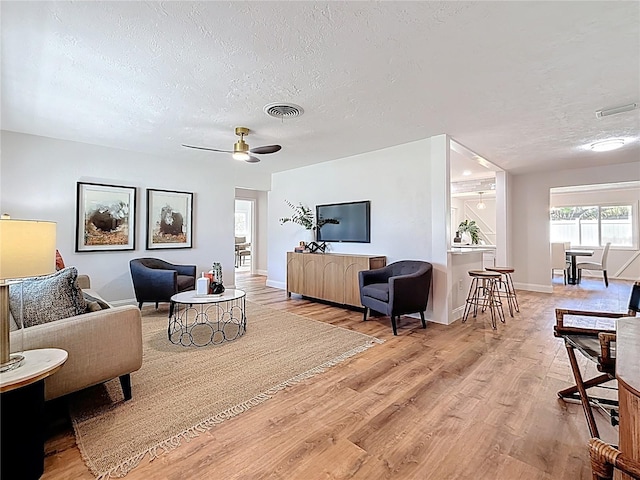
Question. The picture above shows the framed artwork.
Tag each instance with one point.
(105, 217)
(169, 219)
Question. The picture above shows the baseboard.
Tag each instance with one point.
(261, 272)
(532, 287)
(274, 284)
(457, 314)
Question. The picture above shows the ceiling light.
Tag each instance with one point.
(607, 145)
(481, 205)
(612, 111)
(466, 173)
(244, 156)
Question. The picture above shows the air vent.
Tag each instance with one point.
(283, 110)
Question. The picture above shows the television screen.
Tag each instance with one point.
(353, 222)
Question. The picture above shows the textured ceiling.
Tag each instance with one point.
(516, 82)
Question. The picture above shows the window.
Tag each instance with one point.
(593, 226)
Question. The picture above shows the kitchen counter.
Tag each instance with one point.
(471, 249)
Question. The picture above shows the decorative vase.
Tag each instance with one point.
(216, 269)
(457, 238)
(216, 287)
(466, 238)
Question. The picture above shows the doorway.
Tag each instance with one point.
(244, 235)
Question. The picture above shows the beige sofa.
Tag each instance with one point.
(102, 345)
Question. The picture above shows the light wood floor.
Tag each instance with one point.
(449, 402)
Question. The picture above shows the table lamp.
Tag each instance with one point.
(27, 249)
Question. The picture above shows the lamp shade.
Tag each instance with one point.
(27, 248)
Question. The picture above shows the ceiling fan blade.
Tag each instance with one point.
(266, 149)
(252, 159)
(209, 149)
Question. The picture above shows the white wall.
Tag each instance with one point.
(409, 206)
(530, 218)
(38, 181)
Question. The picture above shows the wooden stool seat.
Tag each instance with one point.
(506, 288)
(501, 269)
(483, 293)
(483, 274)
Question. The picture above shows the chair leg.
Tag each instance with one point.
(424, 323)
(157, 305)
(140, 305)
(393, 325)
(512, 289)
(606, 280)
(364, 318)
(584, 399)
(125, 383)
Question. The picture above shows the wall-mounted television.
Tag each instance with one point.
(354, 222)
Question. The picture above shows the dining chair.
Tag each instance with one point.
(559, 259)
(602, 265)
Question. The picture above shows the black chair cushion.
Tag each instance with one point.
(588, 345)
(186, 282)
(379, 291)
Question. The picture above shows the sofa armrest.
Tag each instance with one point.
(101, 345)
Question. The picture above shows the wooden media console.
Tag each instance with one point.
(329, 276)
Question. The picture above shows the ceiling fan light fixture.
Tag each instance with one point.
(241, 156)
(607, 145)
(241, 148)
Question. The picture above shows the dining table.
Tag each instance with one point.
(572, 278)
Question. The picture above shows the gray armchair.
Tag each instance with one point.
(155, 280)
(397, 289)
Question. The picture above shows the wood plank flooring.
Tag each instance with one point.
(449, 402)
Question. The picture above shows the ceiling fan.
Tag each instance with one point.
(241, 150)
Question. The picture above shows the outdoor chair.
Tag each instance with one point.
(593, 334)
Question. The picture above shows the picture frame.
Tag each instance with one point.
(105, 217)
(169, 219)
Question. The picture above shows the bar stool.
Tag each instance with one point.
(506, 288)
(483, 293)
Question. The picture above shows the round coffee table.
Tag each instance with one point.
(200, 320)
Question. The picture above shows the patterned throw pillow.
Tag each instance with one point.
(47, 298)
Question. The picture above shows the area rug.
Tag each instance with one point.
(181, 392)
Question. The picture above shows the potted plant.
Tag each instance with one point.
(304, 216)
(471, 229)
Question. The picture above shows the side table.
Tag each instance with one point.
(22, 413)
